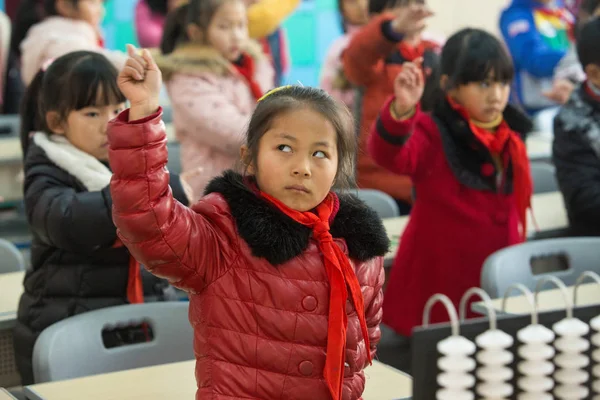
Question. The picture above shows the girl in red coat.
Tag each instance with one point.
(469, 165)
(284, 275)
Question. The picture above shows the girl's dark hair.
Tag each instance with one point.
(158, 6)
(72, 82)
(29, 13)
(199, 12)
(472, 55)
(291, 98)
(378, 6)
(589, 6)
(586, 12)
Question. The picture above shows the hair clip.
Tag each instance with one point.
(47, 64)
(270, 92)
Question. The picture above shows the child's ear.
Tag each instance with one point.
(246, 160)
(195, 33)
(55, 123)
(593, 73)
(444, 82)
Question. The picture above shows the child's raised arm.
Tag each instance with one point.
(400, 118)
(364, 58)
(189, 248)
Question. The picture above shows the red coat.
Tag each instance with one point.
(460, 216)
(259, 294)
(373, 61)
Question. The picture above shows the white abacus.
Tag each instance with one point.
(595, 339)
(493, 355)
(456, 379)
(571, 343)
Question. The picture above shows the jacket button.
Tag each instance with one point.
(306, 368)
(501, 218)
(309, 303)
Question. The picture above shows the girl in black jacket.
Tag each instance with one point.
(77, 261)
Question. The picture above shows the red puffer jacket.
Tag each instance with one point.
(259, 295)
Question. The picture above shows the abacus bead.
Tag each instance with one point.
(494, 357)
(535, 396)
(571, 327)
(536, 368)
(456, 345)
(494, 390)
(445, 394)
(536, 383)
(455, 381)
(571, 361)
(570, 344)
(458, 364)
(494, 374)
(571, 392)
(571, 376)
(536, 351)
(535, 334)
(495, 339)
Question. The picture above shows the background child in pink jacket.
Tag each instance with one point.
(48, 29)
(214, 75)
(354, 14)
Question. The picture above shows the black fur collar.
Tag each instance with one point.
(277, 238)
(466, 155)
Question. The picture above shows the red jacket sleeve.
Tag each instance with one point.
(400, 145)
(187, 247)
(364, 58)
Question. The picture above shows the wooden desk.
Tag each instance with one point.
(10, 149)
(549, 300)
(11, 288)
(539, 148)
(4, 395)
(548, 208)
(176, 381)
(550, 213)
(394, 228)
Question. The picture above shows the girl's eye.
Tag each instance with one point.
(320, 154)
(92, 114)
(285, 148)
(119, 110)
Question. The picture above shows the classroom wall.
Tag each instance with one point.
(316, 24)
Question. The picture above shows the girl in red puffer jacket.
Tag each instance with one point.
(284, 275)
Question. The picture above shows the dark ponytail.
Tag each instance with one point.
(29, 13)
(175, 29)
(31, 120)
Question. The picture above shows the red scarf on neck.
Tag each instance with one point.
(341, 278)
(246, 68)
(135, 289)
(495, 142)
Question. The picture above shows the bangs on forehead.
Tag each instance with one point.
(483, 59)
(101, 84)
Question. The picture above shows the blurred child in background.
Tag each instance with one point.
(214, 75)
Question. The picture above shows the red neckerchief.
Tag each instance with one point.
(495, 142)
(246, 68)
(341, 278)
(410, 53)
(135, 289)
